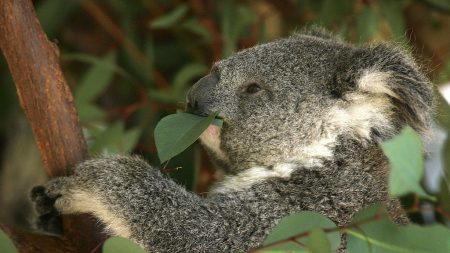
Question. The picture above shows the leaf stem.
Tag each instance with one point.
(379, 215)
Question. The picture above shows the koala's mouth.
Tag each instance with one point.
(213, 131)
(210, 138)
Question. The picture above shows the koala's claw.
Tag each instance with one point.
(44, 198)
(50, 223)
(37, 192)
(43, 204)
(48, 220)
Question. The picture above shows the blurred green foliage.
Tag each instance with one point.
(373, 231)
(129, 63)
(298, 224)
(6, 246)
(405, 154)
(121, 245)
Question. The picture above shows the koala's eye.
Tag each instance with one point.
(252, 88)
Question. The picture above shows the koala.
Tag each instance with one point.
(303, 118)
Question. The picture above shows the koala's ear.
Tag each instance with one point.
(389, 79)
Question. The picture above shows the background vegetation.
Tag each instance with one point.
(129, 63)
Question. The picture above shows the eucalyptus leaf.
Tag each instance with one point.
(107, 140)
(442, 114)
(318, 242)
(331, 12)
(375, 232)
(163, 96)
(93, 60)
(217, 122)
(245, 17)
(444, 74)
(226, 23)
(171, 18)
(406, 159)
(186, 74)
(392, 11)
(370, 212)
(95, 80)
(187, 167)
(130, 139)
(53, 14)
(444, 192)
(176, 132)
(194, 26)
(367, 23)
(382, 235)
(121, 245)
(235, 21)
(286, 247)
(300, 223)
(89, 113)
(444, 197)
(6, 245)
(181, 81)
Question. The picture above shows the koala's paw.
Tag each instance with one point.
(50, 201)
(98, 186)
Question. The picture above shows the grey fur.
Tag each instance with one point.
(318, 94)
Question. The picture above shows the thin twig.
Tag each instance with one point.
(377, 216)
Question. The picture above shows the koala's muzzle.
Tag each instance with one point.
(200, 98)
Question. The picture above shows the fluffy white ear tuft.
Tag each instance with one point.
(376, 82)
(366, 109)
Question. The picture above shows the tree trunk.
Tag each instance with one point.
(50, 108)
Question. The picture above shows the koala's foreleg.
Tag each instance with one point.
(135, 201)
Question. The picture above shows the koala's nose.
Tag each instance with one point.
(199, 98)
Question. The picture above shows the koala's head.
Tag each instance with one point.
(291, 100)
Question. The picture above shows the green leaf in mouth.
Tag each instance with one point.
(176, 132)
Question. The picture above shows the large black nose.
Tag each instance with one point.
(200, 98)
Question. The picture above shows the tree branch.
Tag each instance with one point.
(27, 242)
(50, 108)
